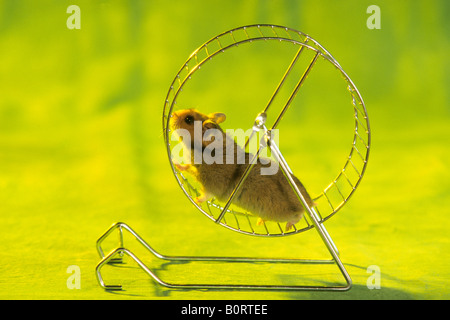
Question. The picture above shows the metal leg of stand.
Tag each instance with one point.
(309, 211)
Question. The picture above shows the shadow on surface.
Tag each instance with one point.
(141, 287)
(357, 292)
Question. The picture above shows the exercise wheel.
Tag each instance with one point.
(332, 197)
(335, 194)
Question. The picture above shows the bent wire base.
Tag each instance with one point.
(116, 255)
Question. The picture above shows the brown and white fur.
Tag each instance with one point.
(270, 197)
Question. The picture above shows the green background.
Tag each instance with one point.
(81, 147)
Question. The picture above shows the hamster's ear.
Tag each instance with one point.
(210, 124)
(217, 117)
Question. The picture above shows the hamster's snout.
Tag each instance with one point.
(175, 121)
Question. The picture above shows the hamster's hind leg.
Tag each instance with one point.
(294, 220)
(259, 222)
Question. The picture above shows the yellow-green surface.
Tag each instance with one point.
(81, 147)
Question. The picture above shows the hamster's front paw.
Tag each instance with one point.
(182, 167)
(202, 198)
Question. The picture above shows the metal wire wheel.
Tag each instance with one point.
(336, 193)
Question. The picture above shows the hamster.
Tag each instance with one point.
(270, 197)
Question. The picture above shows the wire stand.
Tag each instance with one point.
(344, 184)
(115, 256)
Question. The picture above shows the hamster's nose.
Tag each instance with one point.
(174, 120)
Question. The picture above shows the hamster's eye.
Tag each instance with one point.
(189, 119)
